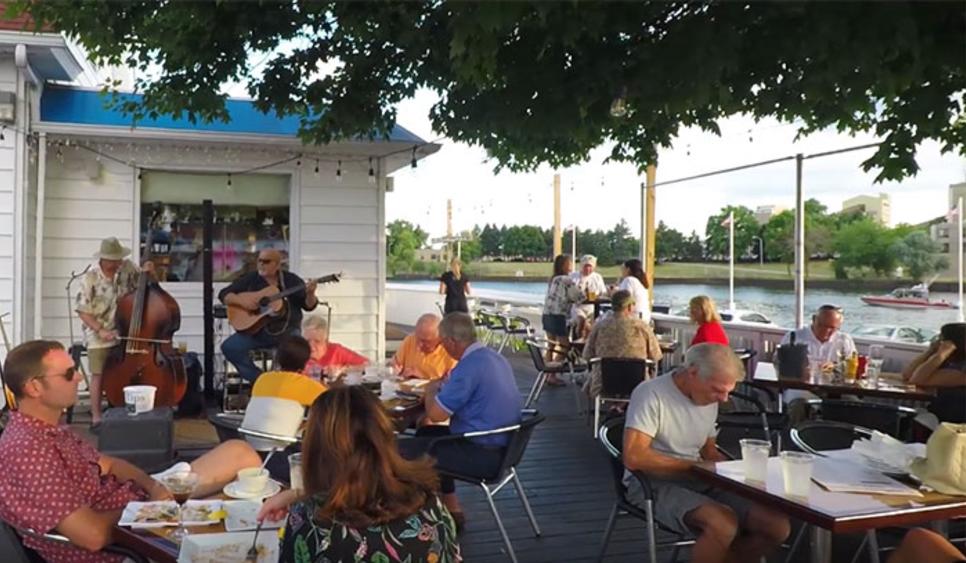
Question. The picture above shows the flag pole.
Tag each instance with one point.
(731, 261)
(959, 253)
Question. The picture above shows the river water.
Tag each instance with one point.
(776, 304)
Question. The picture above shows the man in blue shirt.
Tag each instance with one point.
(480, 394)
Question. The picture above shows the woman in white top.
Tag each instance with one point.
(562, 294)
(634, 280)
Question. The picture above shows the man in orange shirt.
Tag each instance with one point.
(421, 356)
(287, 381)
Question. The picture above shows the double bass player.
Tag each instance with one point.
(240, 294)
(112, 277)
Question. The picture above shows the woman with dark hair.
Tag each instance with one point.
(943, 366)
(362, 501)
(562, 294)
(634, 280)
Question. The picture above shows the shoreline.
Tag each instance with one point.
(877, 285)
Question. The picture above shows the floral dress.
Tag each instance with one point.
(428, 536)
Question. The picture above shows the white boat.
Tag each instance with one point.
(915, 297)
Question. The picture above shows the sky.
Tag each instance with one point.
(596, 195)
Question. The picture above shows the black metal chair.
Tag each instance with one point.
(513, 327)
(571, 365)
(618, 378)
(894, 420)
(492, 484)
(816, 436)
(12, 549)
(612, 438)
(749, 418)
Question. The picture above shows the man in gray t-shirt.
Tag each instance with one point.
(671, 426)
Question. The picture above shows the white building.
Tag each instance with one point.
(944, 231)
(878, 208)
(73, 172)
(764, 213)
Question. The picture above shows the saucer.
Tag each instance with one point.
(235, 491)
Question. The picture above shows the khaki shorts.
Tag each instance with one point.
(96, 358)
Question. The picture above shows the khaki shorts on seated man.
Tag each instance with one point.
(670, 427)
(54, 481)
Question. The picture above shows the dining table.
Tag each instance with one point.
(826, 512)
(889, 385)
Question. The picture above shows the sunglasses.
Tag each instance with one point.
(67, 375)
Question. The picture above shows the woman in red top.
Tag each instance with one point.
(326, 354)
(704, 314)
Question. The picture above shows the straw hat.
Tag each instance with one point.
(112, 249)
(944, 467)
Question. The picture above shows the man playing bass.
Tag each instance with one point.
(113, 277)
(240, 294)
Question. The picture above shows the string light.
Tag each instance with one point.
(139, 174)
(413, 163)
(316, 167)
(2, 131)
(229, 180)
(372, 172)
(338, 172)
(298, 162)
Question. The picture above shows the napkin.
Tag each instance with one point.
(180, 467)
(888, 454)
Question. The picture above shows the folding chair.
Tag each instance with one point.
(492, 484)
(618, 378)
(751, 418)
(612, 439)
(894, 420)
(513, 327)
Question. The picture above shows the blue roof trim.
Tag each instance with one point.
(87, 107)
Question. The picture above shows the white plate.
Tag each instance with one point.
(240, 515)
(165, 513)
(235, 491)
(228, 548)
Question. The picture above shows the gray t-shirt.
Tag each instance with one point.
(679, 428)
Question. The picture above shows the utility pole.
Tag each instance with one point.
(557, 243)
(649, 261)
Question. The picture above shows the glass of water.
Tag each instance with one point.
(295, 472)
(797, 473)
(754, 458)
(874, 366)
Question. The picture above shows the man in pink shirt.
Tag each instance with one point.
(54, 481)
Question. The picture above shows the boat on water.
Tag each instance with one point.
(915, 297)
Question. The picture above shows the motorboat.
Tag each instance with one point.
(915, 297)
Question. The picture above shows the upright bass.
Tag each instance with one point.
(147, 319)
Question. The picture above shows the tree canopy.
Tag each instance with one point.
(543, 82)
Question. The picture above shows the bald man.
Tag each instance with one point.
(237, 347)
(420, 355)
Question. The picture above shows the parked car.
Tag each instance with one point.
(898, 333)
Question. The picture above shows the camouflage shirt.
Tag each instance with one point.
(98, 296)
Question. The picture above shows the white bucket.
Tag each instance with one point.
(139, 399)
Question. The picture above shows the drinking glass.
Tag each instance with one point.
(874, 366)
(181, 486)
(295, 472)
(754, 458)
(315, 372)
(797, 473)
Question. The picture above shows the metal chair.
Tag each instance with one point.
(491, 325)
(13, 550)
(570, 365)
(513, 327)
(271, 424)
(751, 418)
(618, 378)
(612, 439)
(492, 484)
(894, 420)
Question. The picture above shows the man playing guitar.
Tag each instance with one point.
(240, 294)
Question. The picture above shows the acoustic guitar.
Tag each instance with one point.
(271, 305)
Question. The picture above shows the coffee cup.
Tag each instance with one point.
(252, 479)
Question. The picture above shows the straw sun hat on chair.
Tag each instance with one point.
(944, 467)
(112, 249)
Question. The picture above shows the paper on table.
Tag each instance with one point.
(888, 454)
(840, 476)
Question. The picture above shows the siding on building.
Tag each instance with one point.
(8, 211)
(334, 227)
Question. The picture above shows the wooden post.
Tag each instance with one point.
(649, 263)
(557, 242)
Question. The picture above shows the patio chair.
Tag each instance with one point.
(513, 327)
(491, 324)
(571, 365)
(894, 420)
(12, 549)
(612, 439)
(750, 419)
(618, 378)
(271, 424)
(492, 484)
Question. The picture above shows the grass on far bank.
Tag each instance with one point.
(679, 270)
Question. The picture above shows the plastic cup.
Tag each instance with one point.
(797, 473)
(295, 472)
(754, 457)
(139, 399)
(387, 389)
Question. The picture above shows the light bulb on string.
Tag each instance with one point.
(316, 167)
(298, 162)
(338, 172)
(229, 180)
(2, 131)
(750, 138)
(140, 175)
(413, 163)
(372, 172)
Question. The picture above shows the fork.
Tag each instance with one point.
(252, 556)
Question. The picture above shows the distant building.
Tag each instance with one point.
(942, 230)
(878, 208)
(956, 191)
(431, 254)
(764, 213)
